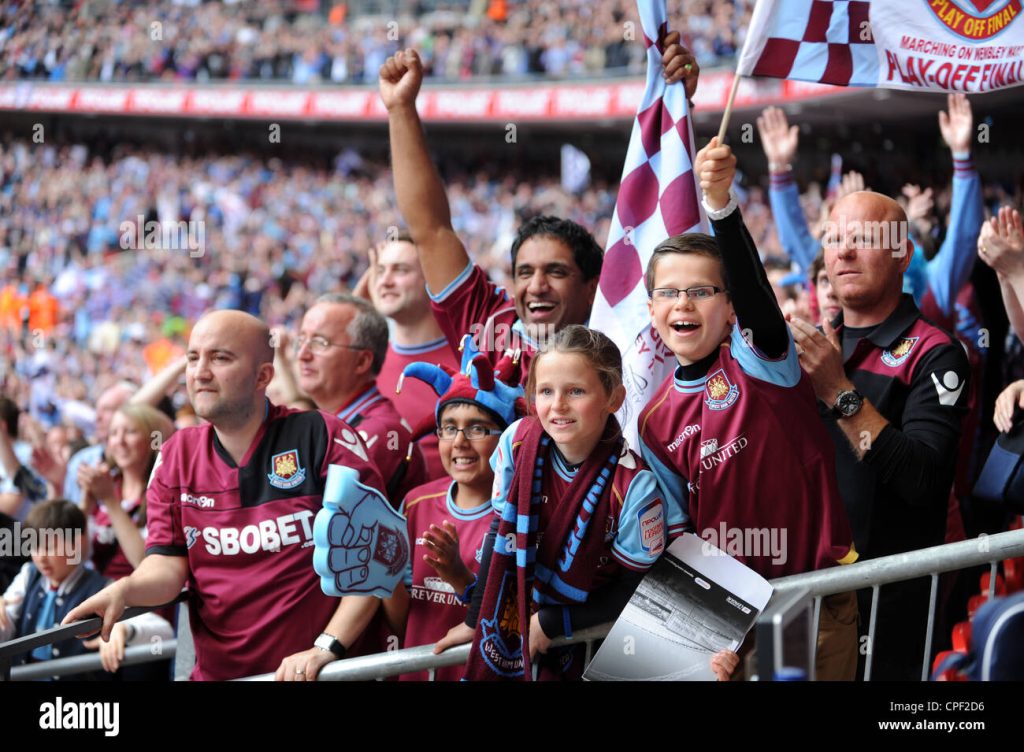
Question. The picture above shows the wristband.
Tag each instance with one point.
(467, 594)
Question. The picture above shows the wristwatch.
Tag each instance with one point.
(331, 644)
(848, 403)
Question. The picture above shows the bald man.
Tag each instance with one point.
(893, 389)
(230, 512)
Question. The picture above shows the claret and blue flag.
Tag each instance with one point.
(659, 197)
(930, 45)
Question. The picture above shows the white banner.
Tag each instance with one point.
(950, 45)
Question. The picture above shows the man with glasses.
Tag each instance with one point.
(734, 436)
(339, 353)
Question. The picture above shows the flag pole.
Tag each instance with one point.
(728, 108)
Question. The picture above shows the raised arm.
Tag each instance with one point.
(952, 265)
(157, 387)
(752, 298)
(779, 141)
(1001, 246)
(421, 195)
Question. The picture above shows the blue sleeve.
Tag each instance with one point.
(71, 490)
(782, 372)
(673, 489)
(504, 468)
(790, 223)
(952, 265)
(642, 534)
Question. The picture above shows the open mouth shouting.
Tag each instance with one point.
(541, 310)
(684, 327)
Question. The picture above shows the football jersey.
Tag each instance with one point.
(747, 464)
(417, 401)
(634, 531)
(471, 304)
(388, 440)
(247, 531)
(434, 607)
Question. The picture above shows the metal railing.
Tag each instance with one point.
(77, 664)
(927, 562)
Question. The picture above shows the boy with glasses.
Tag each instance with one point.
(734, 435)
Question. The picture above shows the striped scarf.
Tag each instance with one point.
(560, 570)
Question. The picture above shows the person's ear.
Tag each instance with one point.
(365, 362)
(264, 375)
(618, 396)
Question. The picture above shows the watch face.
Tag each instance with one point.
(849, 403)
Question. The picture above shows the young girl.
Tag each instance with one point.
(581, 518)
(448, 518)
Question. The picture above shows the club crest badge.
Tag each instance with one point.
(976, 20)
(501, 645)
(392, 550)
(899, 352)
(720, 392)
(285, 470)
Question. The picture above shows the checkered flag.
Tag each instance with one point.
(659, 197)
(810, 40)
(915, 45)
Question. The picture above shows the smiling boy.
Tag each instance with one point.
(734, 435)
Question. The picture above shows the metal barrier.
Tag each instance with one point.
(81, 663)
(927, 562)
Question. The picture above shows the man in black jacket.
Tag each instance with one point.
(894, 390)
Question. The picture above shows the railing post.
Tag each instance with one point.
(871, 632)
(931, 625)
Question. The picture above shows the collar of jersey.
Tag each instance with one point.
(434, 344)
(260, 433)
(901, 319)
(360, 403)
(691, 379)
(475, 513)
(561, 466)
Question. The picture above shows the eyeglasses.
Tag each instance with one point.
(319, 345)
(474, 432)
(701, 292)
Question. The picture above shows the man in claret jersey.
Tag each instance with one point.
(230, 512)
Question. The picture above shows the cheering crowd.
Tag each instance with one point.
(209, 41)
(813, 397)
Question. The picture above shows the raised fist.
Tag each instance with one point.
(400, 79)
(716, 167)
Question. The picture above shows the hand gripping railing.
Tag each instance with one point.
(77, 664)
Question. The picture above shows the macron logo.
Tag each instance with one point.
(204, 502)
(949, 388)
(59, 715)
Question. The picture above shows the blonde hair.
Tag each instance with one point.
(158, 427)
